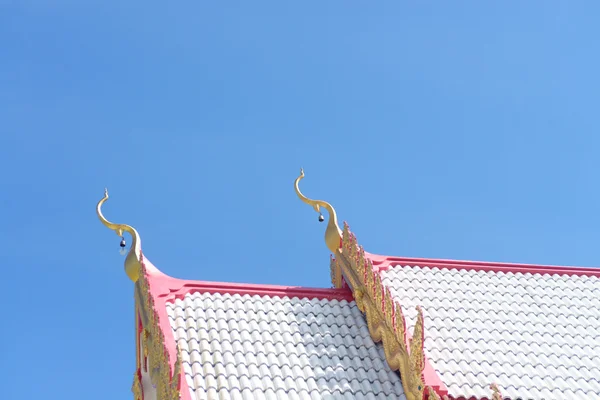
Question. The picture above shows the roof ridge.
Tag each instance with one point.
(266, 290)
(174, 288)
(588, 293)
(383, 263)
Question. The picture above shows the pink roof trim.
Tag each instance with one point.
(383, 263)
(157, 294)
(173, 288)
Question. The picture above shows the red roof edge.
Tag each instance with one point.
(160, 308)
(170, 288)
(383, 263)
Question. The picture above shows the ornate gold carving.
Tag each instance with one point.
(333, 234)
(136, 388)
(336, 273)
(132, 262)
(432, 395)
(138, 342)
(145, 345)
(386, 320)
(496, 395)
(159, 367)
(384, 316)
(417, 356)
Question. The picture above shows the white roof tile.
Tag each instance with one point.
(537, 336)
(261, 347)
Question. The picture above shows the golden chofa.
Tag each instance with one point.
(132, 262)
(333, 233)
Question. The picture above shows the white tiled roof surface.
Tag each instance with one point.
(261, 347)
(536, 336)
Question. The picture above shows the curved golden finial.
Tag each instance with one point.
(333, 233)
(132, 262)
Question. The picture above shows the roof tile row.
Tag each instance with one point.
(262, 347)
(535, 335)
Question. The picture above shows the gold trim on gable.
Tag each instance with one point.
(496, 395)
(136, 388)
(385, 318)
(167, 384)
(432, 395)
(386, 321)
(336, 274)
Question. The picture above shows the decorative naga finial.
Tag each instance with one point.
(333, 233)
(132, 262)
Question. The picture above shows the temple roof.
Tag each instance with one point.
(537, 332)
(391, 327)
(242, 341)
(271, 347)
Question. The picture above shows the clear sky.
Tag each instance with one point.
(463, 130)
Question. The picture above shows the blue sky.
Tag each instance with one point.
(463, 130)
